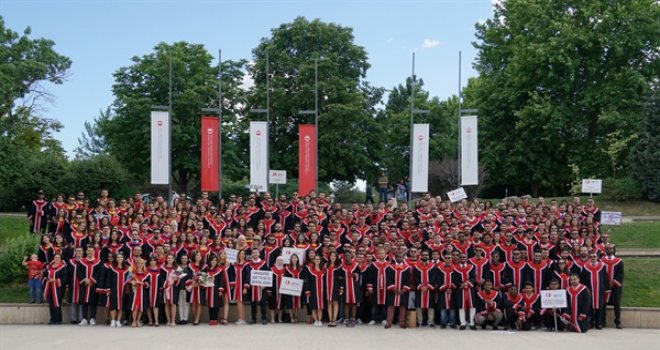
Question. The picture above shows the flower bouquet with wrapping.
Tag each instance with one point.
(205, 280)
(176, 275)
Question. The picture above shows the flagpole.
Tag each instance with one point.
(169, 133)
(219, 126)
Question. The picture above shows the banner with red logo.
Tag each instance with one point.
(420, 158)
(210, 150)
(258, 156)
(469, 151)
(306, 159)
(160, 148)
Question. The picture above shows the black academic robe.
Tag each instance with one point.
(53, 291)
(499, 275)
(90, 269)
(614, 269)
(349, 277)
(169, 286)
(256, 292)
(445, 287)
(376, 284)
(424, 276)
(397, 277)
(239, 278)
(314, 288)
(220, 280)
(538, 274)
(117, 281)
(156, 282)
(512, 305)
(37, 214)
(464, 293)
(482, 302)
(103, 286)
(577, 309)
(595, 278)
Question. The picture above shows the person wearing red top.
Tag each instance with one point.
(35, 286)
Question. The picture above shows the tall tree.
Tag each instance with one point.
(559, 78)
(346, 101)
(91, 142)
(646, 156)
(145, 83)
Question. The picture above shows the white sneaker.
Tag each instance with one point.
(240, 322)
(372, 322)
(383, 323)
(83, 322)
(320, 324)
(113, 323)
(92, 322)
(359, 321)
(118, 324)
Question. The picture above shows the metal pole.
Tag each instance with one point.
(316, 120)
(412, 107)
(169, 133)
(459, 121)
(219, 126)
(267, 120)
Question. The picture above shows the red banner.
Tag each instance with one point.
(209, 169)
(306, 159)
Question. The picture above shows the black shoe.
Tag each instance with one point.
(253, 321)
(483, 326)
(618, 326)
(443, 326)
(73, 322)
(51, 322)
(474, 328)
(264, 322)
(549, 329)
(452, 326)
(495, 328)
(31, 302)
(599, 327)
(462, 328)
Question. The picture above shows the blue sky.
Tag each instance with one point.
(101, 36)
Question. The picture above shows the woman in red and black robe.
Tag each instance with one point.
(139, 284)
(103, 287)
(293, 303)
(56, 275)
(195, 297)
(156, 283)
(170, 286)
(214, 293)
(276, 300)
(314, 291)
(332, 288)
(117, 280)
(239, 281)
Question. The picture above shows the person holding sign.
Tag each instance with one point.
(293, 303)
(578, 306)
(213, 292)
(256, 292)
(314, 277)
(551, 316)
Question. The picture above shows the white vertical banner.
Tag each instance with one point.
(469, 151)
(258, 156)
(160, 148)
(420, 156)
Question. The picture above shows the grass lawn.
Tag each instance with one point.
(11, 226)
(628, 208)
(636, 235)
(15, 292)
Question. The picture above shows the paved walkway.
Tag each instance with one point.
(292, 337)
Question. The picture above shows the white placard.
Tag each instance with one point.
(261, 278)
(277, 177)
(291, 286)
(553, 298)
(258, 155)
(232, 255)
(611, 218)
(160, 148)
(469, 151)
(287, 252)
(457, 194)
(420, 158)
(592, 186)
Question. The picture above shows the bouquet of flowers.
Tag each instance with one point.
(204, 280)
(176, 275)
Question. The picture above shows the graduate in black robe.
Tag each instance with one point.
(578, 306)
(314, 289)
(614, 268)
(56, 275)
(88, 273)
(397, 280)
(594, 276)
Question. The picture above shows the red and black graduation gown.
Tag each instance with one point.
(73, 281)
(479, 269)
(220, 280)
(614, 270)
(45, 254)
(37, 213)
(314, 288)
(332, 283)
(349, 283)
(114, 249)
(562, 277)
(445, 286)
(464, 294)
(156, 283)
(482, 302)
(538, 273)
(292, 301)
(53, 291)
(276, 301)
(103, 286)
(517, 271)
(170, 289)
(377, 284)
(140, 292)
(530, 309)
(90, 269)
(498, 274)
(239, 278)
(511, 307)
(578, 307)
(117, 281)
(256, 292)
(194, 295)
(397, 276)
(424, 275)
(595, 278)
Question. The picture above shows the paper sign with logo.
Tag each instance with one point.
(287, 252)
(277, 177)
(291, 286)
(231, 255)
(457, 194)
(261, 278)
(592, 186)
(611, 218)
(553, 299)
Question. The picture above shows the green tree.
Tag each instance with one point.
(558, 79)
(646, 156)
(347, 127)
(91, 142)
(145, 83)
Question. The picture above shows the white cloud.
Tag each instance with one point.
(430, 43)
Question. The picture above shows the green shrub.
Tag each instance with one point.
(621, 189)
(10, 260)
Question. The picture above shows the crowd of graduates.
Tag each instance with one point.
(461, 265)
